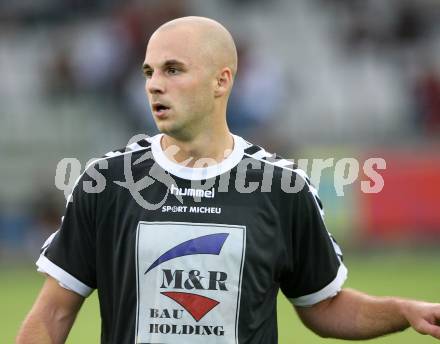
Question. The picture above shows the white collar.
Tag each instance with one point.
(197, 173)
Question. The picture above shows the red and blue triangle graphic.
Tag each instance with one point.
(206, 244)
(196, 305)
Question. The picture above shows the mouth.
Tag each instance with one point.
(160, 109)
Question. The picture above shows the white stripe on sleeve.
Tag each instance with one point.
(327, 292)
(65, 279)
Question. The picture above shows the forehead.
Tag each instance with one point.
(172, 44)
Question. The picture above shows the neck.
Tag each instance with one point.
(200, 151)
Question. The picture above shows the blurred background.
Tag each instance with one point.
(318, 79)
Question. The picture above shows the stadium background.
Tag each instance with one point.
(317, 79)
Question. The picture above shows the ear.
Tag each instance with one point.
(224, 82)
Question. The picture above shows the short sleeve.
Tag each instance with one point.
(68, 255)
(317, 271)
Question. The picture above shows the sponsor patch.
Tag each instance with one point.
(188, 282)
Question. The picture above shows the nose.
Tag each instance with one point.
(155, 84)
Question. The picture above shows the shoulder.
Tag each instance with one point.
(138, 147)
(285, 173)
(113, 165)
(113, 162)
(273, 160)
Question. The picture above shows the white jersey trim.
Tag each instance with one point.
(134, 147)
(284, 163)
(198, 173)
(65, 279)
(327, 292)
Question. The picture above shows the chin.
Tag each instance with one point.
(167, 128)
(176, 133)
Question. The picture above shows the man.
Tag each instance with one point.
(198, 254)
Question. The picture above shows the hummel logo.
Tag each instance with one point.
(192, 192)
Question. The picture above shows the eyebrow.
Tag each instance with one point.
(167, 63)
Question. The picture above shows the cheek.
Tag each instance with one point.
(190, 96)
(202, 94)
(195, 96)
(146, 92)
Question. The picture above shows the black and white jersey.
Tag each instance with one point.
(193, 255)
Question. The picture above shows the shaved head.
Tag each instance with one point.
(190, 64)
(214, 41)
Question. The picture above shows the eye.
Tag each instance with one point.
(172, 70)
(148, 73)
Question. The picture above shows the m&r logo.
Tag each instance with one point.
(188, 282)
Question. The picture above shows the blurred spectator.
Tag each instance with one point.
(60, 79)
(258, 94)
(427, 93)
(98, 55)
(411, 23)
(384, 24)
(14, 226)
(47, 209)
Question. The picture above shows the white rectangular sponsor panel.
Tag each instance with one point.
(188, 282)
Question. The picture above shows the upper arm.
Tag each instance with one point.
(56, 301)
(51, 316)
